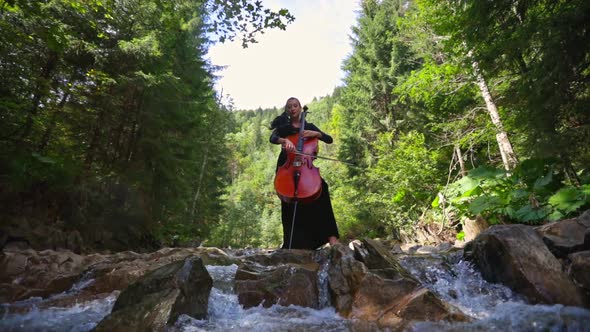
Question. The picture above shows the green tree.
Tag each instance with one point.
(98, 95)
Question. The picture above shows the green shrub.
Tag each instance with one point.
(534, 192)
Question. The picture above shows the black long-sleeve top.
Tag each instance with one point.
(288, 130)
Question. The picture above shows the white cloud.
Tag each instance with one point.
(304, 61)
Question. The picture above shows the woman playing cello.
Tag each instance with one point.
(309, 225)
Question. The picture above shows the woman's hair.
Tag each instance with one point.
(280, 121)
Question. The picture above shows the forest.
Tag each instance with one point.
(450, 110)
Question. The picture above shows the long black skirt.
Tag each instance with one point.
(314, 222)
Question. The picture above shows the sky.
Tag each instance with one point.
(303, 61)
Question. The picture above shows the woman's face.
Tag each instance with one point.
(293, 108)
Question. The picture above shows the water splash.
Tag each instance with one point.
(81, 317)
(493, 307)
(323, 287)
(226, 314)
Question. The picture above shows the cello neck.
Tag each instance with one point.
(301, 129)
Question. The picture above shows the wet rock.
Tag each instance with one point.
(567, 236)
(151, 314)
(287, 284)
(516, 256)
(377, 257)
(344, 276)
(428, 250)
(381, 291)
(280, 276)
(158, 298)
(579, 270)
(282, 256)
(28, 273)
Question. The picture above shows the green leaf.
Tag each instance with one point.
(485, 203)
(461, 235)
(556, 215)
(519, 194)
(486, 172)
(399, 196)
(544, 181)
(467, 184)
(528, 213)
(567, 199)
(472, 192)
(436, 202)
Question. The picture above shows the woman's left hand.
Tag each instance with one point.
(311, 134)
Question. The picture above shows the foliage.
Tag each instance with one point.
(532, 194)
(109, 106)
(98, 94)
(245, 19)
(402, 180)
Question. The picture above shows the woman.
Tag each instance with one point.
(315, 223)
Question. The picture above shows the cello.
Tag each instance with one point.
(298, 180)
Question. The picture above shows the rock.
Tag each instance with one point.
(567, 236)
(380, 291)
(515, 256)
(579, 270)
(423, 305)
(151, 314)
(444, 247)
(27, 273)
(344, 276)
(282, 256)
(157, 299)
(472, 228)
(409, 248)
(377, 258)
(288, 284)
(427, 250)
(281, 277)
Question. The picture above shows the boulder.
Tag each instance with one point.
(579, 270)
(472, 228)
(567, 236)
(284, 277)
(288, 284)
(380, 291)
(516, 256)
(28, 273)
(157, 299)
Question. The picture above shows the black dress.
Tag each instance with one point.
(314, 222)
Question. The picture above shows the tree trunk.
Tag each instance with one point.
(508, 156)
(200, 183)
(460, 159)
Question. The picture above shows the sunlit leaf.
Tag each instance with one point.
(568, 199)
(528, 213)
(485, 203)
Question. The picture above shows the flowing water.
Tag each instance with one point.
(492, 307)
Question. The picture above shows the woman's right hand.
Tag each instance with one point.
(288, 145)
